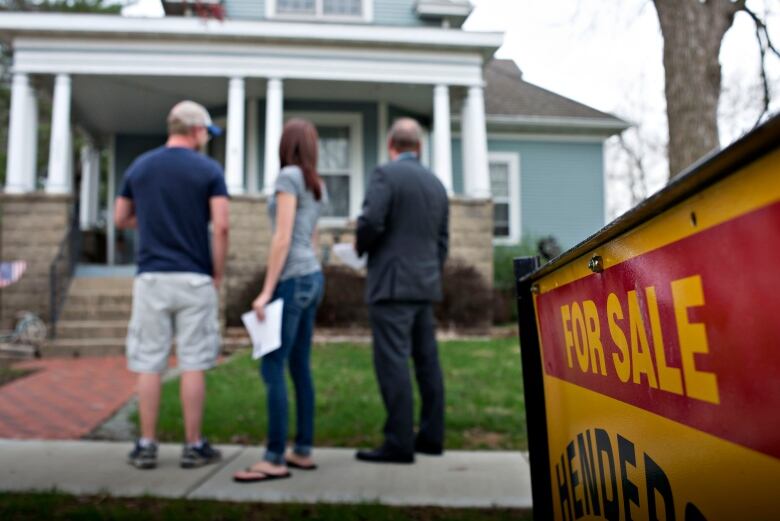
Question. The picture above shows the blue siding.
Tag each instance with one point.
(561, 185)
(396, 12)
(245, 9)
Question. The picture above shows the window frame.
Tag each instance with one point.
(353, 120)
(367, 13)
(512, 161)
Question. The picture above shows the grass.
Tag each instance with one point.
(9, 374)
(56, 506)
(484, 392)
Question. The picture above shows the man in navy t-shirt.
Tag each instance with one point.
(170, 195)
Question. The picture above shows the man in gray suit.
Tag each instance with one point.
(404, 230)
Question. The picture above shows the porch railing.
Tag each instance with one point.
(60, 274)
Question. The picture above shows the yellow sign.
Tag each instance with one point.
(661, 369)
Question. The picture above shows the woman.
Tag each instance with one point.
(295, 276)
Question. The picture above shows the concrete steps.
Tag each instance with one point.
(91, 329)
(75, 348)
(117, 312)
(94, 318)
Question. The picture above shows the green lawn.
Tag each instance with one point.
(54, 506)
(9, 374)
(483, 380)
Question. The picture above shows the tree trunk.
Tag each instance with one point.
(693, 31)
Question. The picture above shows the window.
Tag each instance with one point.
(333, 166)
(296, 7)
(342, 7)
(340, 162)
(335, 9)
(504, 188)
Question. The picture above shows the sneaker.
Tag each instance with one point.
(143, 456)
(192, 457)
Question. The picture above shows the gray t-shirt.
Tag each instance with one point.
(302, 259)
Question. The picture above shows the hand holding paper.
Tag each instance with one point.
(346, 253)
(266, 335)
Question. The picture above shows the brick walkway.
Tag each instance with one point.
(65, 398)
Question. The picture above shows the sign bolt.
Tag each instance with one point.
(596, 264)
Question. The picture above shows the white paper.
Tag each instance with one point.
(267, 335)
(346, 253)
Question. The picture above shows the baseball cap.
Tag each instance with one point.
(192, 114)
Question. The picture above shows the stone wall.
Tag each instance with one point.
(471, 241)
(250, 239)
(32, 229)
(471, 234)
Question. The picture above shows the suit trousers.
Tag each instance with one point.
(402, 330)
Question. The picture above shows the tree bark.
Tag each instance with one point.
(693, 31)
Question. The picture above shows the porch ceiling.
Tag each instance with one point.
(106, 105)
(138, 105)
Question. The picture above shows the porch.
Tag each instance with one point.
(114, 94)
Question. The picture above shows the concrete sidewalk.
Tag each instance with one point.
(458, 479)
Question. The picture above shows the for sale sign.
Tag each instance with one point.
(660, 355)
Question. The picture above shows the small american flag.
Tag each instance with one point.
(11, 272)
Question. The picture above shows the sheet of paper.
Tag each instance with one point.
(266, 335)
(346, 253)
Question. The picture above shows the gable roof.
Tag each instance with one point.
(510, 100)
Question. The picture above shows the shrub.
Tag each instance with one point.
(467, 299)
(467, 302)
(342, 304)
(504, 305)
(240, 301)
(503, 266)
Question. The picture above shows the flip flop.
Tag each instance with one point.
(259, 476)
(294, 465)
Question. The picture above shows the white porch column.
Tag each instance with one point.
(234, 162)
(31, 171)
(384, 125)
(274, 120)
(59, 181)
(474, 142)
(110, 194)
(17, 171)
(442, 142)
(252, 148)
(90, 180)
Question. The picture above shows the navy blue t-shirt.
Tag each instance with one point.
(170, 189)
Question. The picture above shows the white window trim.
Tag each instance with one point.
(425, 148)
(512, 160)
(367, 16)
(354, 120)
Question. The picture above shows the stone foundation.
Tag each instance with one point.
(471, 234)
(471, 241)
(32, 229)
(34, 225)
(250, 239)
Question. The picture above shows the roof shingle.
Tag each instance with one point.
(507, 94)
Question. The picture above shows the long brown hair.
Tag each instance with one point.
(299, 147)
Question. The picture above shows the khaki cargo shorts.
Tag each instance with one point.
(167, 304)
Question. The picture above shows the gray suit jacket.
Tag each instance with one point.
(404, 230)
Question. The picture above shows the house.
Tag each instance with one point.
(517, 159)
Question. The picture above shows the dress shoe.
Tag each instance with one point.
(431, 449)
(382, 455)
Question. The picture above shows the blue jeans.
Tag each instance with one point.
(301, 297)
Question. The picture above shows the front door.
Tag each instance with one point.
(122, 249)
